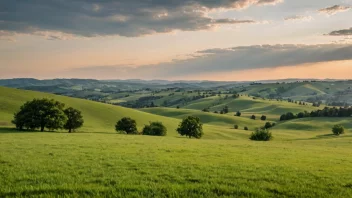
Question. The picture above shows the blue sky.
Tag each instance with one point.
(185, 39)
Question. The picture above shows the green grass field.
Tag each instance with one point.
(303, 160)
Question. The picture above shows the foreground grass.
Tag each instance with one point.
(112, 165)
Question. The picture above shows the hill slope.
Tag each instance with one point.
(98, 117)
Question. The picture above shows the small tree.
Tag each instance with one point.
(246, 128)
(253, 117)
(263, 118)
(338, 130)
(268, 125)
(236, 126)
(238, 113)
(127, 125)
(261, 135)
(155, 129)
(225, 109)
(74, 119)
(191, 127)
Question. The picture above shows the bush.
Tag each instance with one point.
(246, 128)
(155, 129)
(268, 125)
(253, 117)
(338, 130)
(238, 113)
(236, 126)
(263, 117)
(127, 125)
(191, 127)
(261, 135)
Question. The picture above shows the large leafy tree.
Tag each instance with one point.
(127, 125)
(40, 113)
(191, 127)
(74, 119)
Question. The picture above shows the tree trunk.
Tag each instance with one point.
(42, 129)
(69, 130)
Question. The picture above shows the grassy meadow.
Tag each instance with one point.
(303, 159)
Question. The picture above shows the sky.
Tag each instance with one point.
(232, 40)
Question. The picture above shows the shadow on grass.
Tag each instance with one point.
(326, 136)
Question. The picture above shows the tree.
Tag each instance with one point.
(40, 113)
(225, 109)
(74, 119)
(127, 125)
(263, 117)
(155, 129)
(261, 135)
(191, 127)
(177, 107)
(338, 129)
(253, 117)
(238, 113)
(246, 128)
(236, 126)
(268, 125)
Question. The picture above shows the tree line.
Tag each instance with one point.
(189, 127)
(326, 112)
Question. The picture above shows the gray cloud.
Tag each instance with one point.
(345, 32)
(130, 18)
(230, 59)
(334, 9)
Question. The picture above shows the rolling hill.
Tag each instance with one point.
(98, 117)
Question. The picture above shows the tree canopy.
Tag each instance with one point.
(127, 125)
(74, 119)
(191, 127)
(155, 129)
(40, 113)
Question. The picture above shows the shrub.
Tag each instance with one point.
(191, 127)
(246, 128)
(253, 117)
(127, 125)
(155, 129)
(268, 125)
(338, 130)
(236, 126)
(261, 135)
(263, 117)
(238, 113)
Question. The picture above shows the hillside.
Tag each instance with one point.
(206, 117)
(98, 117)
(250, 106)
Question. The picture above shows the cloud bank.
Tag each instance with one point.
(334, 9)
(129, 18)
(344, 32)
(228, 60)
